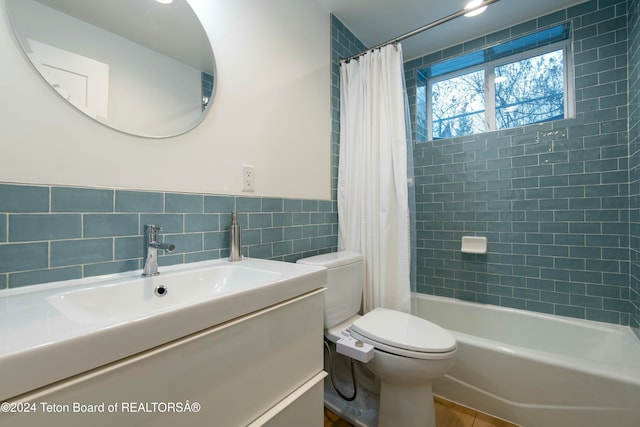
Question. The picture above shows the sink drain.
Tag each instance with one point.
(160, 290)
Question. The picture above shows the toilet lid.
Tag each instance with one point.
(404, 331)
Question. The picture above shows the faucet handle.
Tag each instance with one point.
(151, 232)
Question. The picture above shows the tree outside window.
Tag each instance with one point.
(530, 91)
(458, 105)
(526, 91)
(521, 81)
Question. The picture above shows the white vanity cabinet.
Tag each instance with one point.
(264, 368)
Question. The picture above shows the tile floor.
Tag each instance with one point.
(448, 414)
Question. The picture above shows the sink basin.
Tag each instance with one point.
(139, 297)
(56, 330)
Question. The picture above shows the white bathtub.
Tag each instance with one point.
(538, 370)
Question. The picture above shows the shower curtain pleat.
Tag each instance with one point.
(373, 206)
(411, 188)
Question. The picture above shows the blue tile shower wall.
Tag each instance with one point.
(634, 163)
(62, 233)
(552, 199)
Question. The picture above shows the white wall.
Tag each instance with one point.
(271, 110)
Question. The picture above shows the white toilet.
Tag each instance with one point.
(408, 352)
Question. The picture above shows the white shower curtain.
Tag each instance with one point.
(373, 207)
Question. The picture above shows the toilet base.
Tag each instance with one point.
(362, 412)
(407, 406)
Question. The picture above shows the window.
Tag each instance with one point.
(458, 105)
(530, 90)
(523, 81)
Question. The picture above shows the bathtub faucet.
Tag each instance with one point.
(151, 246)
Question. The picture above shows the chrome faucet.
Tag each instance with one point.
(151, 246)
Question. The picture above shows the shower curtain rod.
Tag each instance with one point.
(422, 29)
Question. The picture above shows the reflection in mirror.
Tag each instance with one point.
(138, 66)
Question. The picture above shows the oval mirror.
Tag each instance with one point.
(143, 67)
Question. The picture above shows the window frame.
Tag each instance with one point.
(489, 85)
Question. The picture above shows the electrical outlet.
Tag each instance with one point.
(248, 178)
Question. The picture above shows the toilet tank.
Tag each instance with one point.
(345, 279)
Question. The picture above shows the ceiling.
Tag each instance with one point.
(372, 21)
(377, 21)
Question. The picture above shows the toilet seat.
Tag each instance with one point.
(403, 334)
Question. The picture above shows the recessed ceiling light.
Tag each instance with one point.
(165, 1)
(471, 5)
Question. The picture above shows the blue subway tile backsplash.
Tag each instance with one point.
(83, 232)
(3, 229)
(23, 199)
(106, 225)
(139, 201)
(180, 203)
(23, 256)
(68, 199)
(34, 227)
(79, 252)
